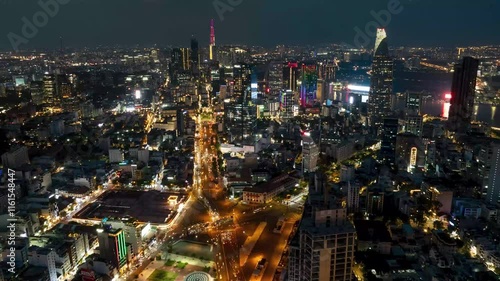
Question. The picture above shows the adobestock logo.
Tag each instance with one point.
(223, 6)
(364, 37)
(30, 28)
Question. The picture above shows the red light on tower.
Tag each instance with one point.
(448, 96)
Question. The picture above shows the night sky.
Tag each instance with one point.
(258, 22)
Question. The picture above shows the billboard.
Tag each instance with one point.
(87, 274)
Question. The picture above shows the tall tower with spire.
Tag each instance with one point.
(380, 98)
(212, 40)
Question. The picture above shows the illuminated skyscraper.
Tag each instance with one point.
(49, 91)
(290, 76)
(310, 153)
(413, 119)
(275, 77)
(308, 88)
(380, 97)
(286, 104)
(462, 95)
(242, 77)
(212, 50)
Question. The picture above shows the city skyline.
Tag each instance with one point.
(146, 22)
(167, 153)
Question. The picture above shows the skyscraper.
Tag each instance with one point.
(390, 131)
(49, 91)
(195, 55)
(275, 77)
(212, 50)
(413, 119)
(493, 187)
(242, 77)
(286, 104)
(380, 97)
(308, 88)
(310, 153)
(462, 95)
(290, 76)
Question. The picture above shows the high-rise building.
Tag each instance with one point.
(413, 103)
(462, 95)
(290, 76)
(410, 152)
(390, 130)
(239, 118)
(275, 77)
(310, 153)
(195, 56)
(413, 124)
(323, 247)
(380, 97)
(49, 91)
(212, 48)
(242, 74)
(353, 197)
(112, 246)
(320, 91)
(493, 187)
(185, 56)
(36, 90)
(286, 104)
(309, 84)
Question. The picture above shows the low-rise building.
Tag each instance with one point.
(264, 192)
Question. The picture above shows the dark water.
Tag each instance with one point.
(485, 112)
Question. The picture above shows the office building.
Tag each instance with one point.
(390, 129)
(49, 92)
(242, 77)
(493, 187)
(112, 246)
(275, 77)
(413, 103)
(410, 152)
(463, 90)
(310, 154)
(37, 92)
(195, 56)
(290, 76)
(239, 118)
(413, 124)
(309, 84)
(286, 104)
(380, 96)
(323, 247)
